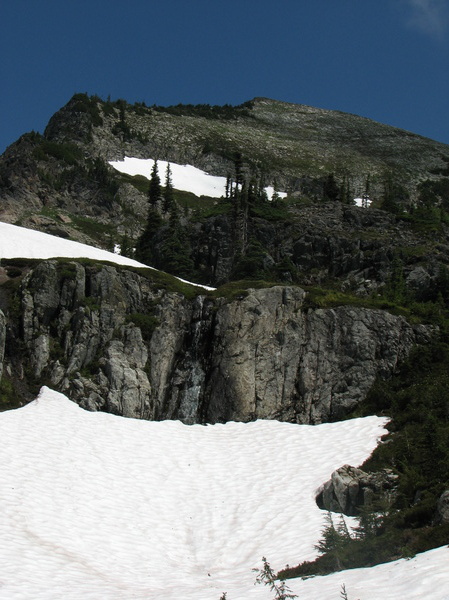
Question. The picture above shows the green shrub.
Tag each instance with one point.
(234, 290)
(66, 152)
(9, 398)
(66, 270)
(91, 303)
(101, 232)
(226, 112)
(89, 105)
(146, 323)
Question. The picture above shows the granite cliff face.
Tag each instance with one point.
(116, 341)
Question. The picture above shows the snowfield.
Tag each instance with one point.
(19, 242)
(184, 177)
(95, 506)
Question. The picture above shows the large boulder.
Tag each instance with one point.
(350, 488)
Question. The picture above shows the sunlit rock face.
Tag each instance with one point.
(350, 488)
(115, 341)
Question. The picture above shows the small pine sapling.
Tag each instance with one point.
(267, 576)
(343, 592)
(334, 539)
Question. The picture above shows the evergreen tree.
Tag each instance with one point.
(367, 184)
(249, 264)
(175, 251)
(145, 247)
(369, 523)
(442, 284)
(394, 196)
(330, 188)
(267, 576)
(275, 198)
(345, 193)
(173, 218)
(238, 165)
(330, 539)
(126, 247)
(333, 540)
(154, 192)
(168, 195)
(252, 193)
(144, 251)
(228, 187)
(348, 198)
(396, 287)
(239, 200)
(261, 191)
(121, 127)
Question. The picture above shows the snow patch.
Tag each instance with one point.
(184, 177)
(19, 242)
(99, 506)
(362, 202)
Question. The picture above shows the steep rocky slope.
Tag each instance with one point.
(62, 183)
(271, 353)
(115, 339)
(295, 145)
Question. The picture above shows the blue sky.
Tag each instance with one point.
(383, 59)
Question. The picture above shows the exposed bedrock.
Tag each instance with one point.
(115, 341)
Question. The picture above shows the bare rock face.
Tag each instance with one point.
(115, 341)
(442, 515)
(346, 349)
(255, 358)
(350, 488)
(2, 340)
(272, 359)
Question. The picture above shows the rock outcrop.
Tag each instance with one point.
(442, 513)
(350, 488)
(115, 340)
(2, 340)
